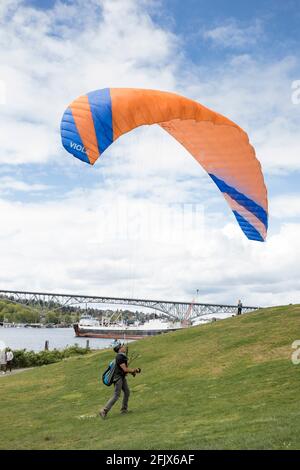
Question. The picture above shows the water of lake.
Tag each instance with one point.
(33, 339)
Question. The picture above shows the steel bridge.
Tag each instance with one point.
(174, 310)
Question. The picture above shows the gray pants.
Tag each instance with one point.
(120, 385)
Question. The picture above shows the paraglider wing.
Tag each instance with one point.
(94, 121)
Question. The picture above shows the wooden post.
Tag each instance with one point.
(46, 345)
(87, 344)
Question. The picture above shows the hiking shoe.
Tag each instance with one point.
(103, 414)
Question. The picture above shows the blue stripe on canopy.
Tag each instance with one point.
(100, 104)
(243, 200)
(247, 228)
(70, 137)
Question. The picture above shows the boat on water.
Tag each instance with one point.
(91, 328)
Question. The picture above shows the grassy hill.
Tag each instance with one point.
(229, 384)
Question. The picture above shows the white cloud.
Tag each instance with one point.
(60, 246)
(49, 58)
(256, 95)
(286, 206)
(74, 242)
(2, 92)
(12, 184)
(234, 35)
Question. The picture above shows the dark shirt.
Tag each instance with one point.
(121, 358)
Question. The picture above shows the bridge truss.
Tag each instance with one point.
(174, 310)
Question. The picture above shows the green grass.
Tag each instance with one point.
(225, 385)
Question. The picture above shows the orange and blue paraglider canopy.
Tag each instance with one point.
(94, 121)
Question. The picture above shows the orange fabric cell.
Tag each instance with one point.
(224, 151)
(136, 107)
(84, 122)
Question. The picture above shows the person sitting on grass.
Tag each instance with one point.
(119, 381)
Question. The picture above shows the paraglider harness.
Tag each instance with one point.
(108, 375)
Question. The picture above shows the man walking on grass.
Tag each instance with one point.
(9, 358)
(119, 381)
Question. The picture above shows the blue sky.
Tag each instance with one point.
(62, 218)
(186, 19)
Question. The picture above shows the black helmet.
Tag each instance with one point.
(117, 346)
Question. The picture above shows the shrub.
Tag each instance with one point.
(23, 358)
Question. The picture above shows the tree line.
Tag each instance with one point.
(17, 313)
